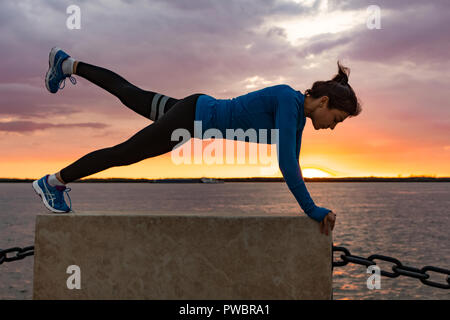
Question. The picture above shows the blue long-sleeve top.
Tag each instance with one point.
(276, 107)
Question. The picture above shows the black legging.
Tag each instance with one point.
(152, 141)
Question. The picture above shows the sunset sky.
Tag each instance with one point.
(399, 72)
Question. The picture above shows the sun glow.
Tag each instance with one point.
(315, 173)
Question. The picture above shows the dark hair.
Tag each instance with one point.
(340, 94)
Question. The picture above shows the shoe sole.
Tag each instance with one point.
(40, 193)
(51, 59)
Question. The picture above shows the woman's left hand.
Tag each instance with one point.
(327, 222)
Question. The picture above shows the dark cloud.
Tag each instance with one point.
(386, 4)
(24, 101)
(277, 31)
(240, 8)
(178, 47)
(170, 46)
(323, 42)
(409, 31)
(30, 126)
(415, 35)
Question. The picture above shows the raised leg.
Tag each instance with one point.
(149, 104)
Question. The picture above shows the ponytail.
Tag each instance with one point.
(343, 74)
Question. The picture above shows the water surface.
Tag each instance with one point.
(405, 220)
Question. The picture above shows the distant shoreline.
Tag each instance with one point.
(255, 179)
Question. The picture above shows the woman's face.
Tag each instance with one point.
(324, 118)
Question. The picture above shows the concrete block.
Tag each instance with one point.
(177, 255)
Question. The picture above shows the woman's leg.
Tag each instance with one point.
(151, 141)
(149, 104)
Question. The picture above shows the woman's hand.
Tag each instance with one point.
(327, 222)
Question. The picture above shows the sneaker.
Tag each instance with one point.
(55, 75)
(53, 197)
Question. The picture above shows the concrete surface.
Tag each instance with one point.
(177, 255)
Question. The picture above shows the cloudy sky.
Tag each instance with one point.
(225, 49)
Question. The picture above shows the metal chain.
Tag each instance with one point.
(347, 257)
(21, 253)
(398, 267)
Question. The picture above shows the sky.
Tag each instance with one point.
(397, 52)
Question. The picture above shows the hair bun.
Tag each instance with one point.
(343, 80)
(343, 74)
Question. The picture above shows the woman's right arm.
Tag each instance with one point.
(286, 121)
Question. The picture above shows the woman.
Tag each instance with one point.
(278, 107)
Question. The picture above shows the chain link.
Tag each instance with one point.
(21, 253)
(398, 268)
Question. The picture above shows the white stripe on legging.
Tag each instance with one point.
(162, 104)
(153, 109)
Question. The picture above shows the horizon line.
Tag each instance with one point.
(253, 177)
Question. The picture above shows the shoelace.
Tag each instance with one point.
(72, 79)
(59, 196)
(67, 192)
(61, 199)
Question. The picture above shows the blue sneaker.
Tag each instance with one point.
(55, 75)
(53, 197)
